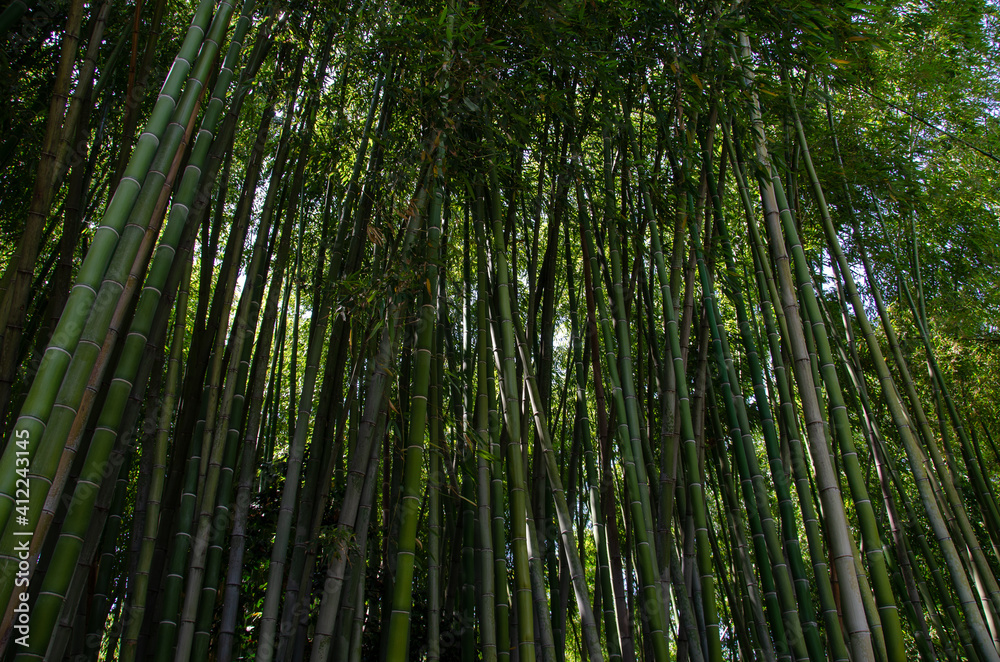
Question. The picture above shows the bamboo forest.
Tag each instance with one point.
(518, 330)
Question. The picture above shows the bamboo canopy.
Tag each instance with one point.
(505, 331)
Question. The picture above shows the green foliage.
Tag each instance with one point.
(900, 110)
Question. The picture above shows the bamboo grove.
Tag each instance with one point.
(455, 331)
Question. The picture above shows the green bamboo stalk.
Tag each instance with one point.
(744, 570)
(146, 392)
(85, 493)
(344, 261)
(582, 429)
(317, 333)
(333, 586)
(488, 610)
(435, 436)
(73, 620)
(987, 504)
(197, 454)
(250, 447)
(652, 600)
(71, 614)
(902, 571)
(492, 421)
(774, 322)
(202, 622)
(41, 396)
(577, 577)
(899, 418)
(887, 611)
(138, 606)
(783, 617)
(364, 515)
(689, 447)
(357, 563)
(101, 542)
(324, 450)
(515, 467)
(397, 645)
(109, 353)
(778, 476)
(855, 621)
